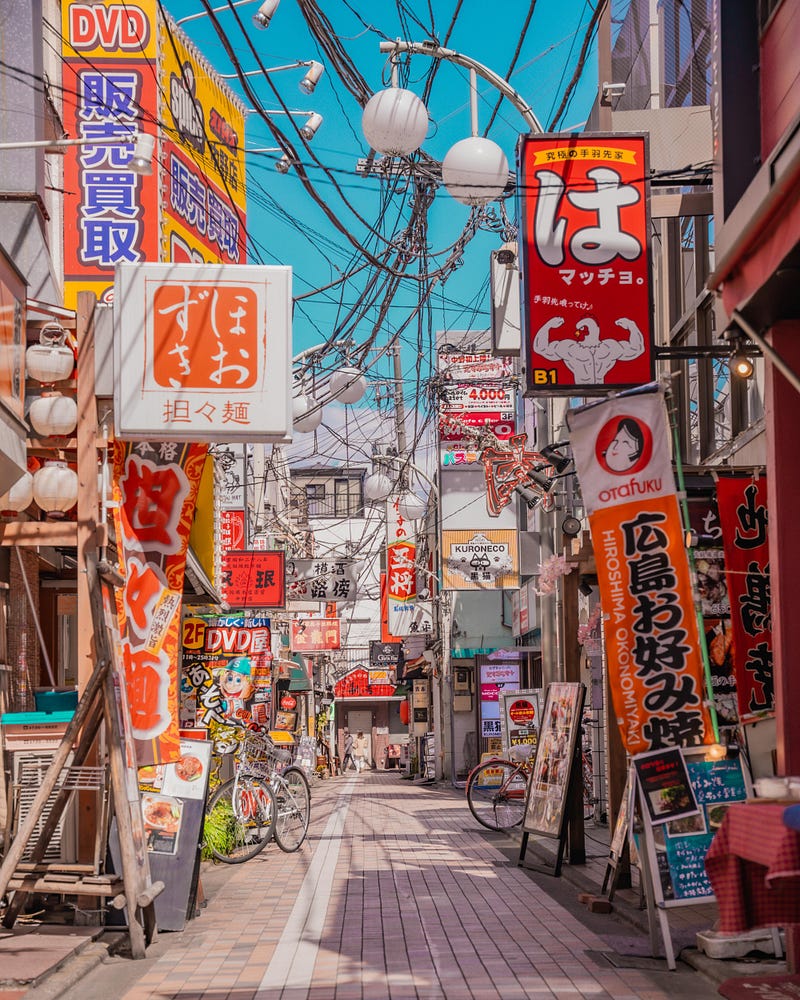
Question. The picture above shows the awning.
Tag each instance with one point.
(298, 679)
(198, 579)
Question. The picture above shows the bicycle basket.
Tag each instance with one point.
(260, 756)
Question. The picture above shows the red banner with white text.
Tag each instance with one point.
(155, 486)
(742, 506)
(655, 665)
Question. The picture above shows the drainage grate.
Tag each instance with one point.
(611, 958)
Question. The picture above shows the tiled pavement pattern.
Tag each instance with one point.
(398, 894)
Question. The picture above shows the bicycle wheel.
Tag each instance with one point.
(238, 820)
(496, 794)
(292, 796)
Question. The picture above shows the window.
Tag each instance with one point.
(315, 497)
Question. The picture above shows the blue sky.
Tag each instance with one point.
(287, 226)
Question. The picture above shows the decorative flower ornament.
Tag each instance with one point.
(550, 572)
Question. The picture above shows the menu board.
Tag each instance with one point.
(679, 846)
(519, 719)
(546, 800)
(664, 781)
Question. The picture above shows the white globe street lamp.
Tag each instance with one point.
(475, 171)
(412, 507)
(347, 385)
(395, 122)
(306, 413)
(377, 487)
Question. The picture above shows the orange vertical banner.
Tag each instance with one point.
(655, 664)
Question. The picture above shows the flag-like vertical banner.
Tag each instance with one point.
(407, 614)
(656, 673)
(155, 486)
(742, 505)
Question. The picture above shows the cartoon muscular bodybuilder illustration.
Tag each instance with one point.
(589, 358)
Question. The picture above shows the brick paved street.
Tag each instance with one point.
(398, 894)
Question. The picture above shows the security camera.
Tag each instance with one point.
(423, 593)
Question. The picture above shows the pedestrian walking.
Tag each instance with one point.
(348, 751)
(360, 752)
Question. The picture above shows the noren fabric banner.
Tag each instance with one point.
(155, 486)
(742, 505)
(655, 665)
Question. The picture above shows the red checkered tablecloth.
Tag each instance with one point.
(754, 867)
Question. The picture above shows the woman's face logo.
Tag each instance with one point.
(624, 446)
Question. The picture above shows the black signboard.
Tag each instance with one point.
(385, 654)
(664, 782)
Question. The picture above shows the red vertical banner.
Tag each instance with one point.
(655, 665)
(155, 486)
(742, 505)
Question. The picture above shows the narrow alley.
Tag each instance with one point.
(398, 894)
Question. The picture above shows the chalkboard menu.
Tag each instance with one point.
(680, 846)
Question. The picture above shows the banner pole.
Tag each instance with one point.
(684, 505)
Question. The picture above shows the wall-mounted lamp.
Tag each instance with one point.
(694, 540)
(265, 12)
(585, 587)
(554, 455)
(309, 130)
(740, 363)
(143, 144)
(541, 480)
(312, 77)
(571, 526)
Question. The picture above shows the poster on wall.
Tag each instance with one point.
(227, 671)
(585, 262)
(494, 679)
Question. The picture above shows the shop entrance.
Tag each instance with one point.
(360, 721)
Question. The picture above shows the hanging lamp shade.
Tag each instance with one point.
(306, 413)
(475, 171)
(55, 488)
(50, 360)
(395, 121)
(19, 497)
(377, 486)
(411, 506)
(347, 385)
(53, 415)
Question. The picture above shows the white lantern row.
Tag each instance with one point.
(50, 360)
(54, 489)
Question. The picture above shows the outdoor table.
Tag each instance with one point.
(753, 865)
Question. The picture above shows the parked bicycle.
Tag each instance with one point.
(497, 789)
(267, 797)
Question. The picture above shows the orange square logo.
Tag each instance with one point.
(205, 336)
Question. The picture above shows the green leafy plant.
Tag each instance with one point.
(218, 831)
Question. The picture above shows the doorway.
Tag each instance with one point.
(360, 721)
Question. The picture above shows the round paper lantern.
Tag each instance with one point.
(19, 497)
(475, 171)
(377, 486)
(395, 122)
(306, 413)
(53, 415)
(55, 488)
(50, 360)
(347, 385)
(288, 702)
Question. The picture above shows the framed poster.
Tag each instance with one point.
(545, 804)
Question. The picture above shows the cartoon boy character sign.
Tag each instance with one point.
(236, 688)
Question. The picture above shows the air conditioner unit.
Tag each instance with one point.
(28, 769)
